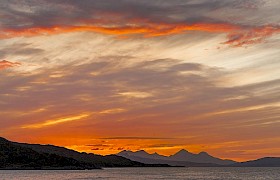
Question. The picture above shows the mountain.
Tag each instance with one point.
(15, 155)
(181, 158)
(202, 157)
(99, 160)
(263, 162)
(144, 157)
(141, 154)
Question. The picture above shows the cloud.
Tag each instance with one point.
(164, 145)
(253, 36)
(132, 18)
(112, 111)
(4, 64)
(190, 94)
(99, 145)
(135, 138)
(157, 80)
(237, 35)
(147, 30)
(20, 49)
(56, 121)
(135, 94)
(182, 104)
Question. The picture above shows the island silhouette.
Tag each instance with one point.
(14, 155)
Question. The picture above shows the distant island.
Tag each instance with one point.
(181, 158)
(202, 159)
(25, 156)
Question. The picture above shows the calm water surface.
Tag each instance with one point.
(147, 173)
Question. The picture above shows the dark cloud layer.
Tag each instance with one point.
(148, 18)
(54, 13)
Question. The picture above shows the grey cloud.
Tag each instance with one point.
(175, 99)
(187, 67)
(22, 49)
(25, 14)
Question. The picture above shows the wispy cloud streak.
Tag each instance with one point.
(56, 121)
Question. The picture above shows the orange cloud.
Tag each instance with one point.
(148, 30)
(237, 35)
(253, 36)
(7, 64)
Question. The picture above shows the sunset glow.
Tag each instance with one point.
(106, 76)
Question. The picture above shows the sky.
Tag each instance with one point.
(103, 76)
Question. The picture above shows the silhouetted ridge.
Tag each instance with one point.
(13, 156)
(180, 158)
(262, 162)
(182, 151)
(35, 156)
(142, 152)
(3, 140)
(203, 153)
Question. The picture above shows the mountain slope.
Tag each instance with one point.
(263, 162)
(182, 157)
(98, 160)
(13, 156)
(161, 160)
(202, 157)
(141, 154)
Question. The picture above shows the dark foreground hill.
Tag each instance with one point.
(34, 156)
(13, 156)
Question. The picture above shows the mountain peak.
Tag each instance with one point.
(124, 151)
(141, 152)
(182, 151)
(203, 153)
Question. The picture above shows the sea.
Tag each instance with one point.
(191, 173)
